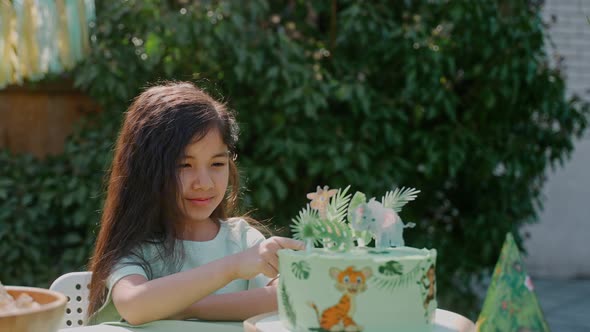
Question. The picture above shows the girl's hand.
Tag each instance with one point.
(263, 257)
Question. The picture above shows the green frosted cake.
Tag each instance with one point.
(347, 286)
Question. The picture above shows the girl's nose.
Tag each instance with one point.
(202, 181)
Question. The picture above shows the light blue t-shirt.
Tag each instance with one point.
(234, 236)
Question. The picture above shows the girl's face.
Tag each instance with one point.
(204, 174)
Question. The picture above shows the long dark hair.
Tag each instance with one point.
(141, 199)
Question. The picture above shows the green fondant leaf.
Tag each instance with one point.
(335, 235)
(358, 199)
(391, 268)
(391, 282)
(363, 237)
(378, 252)
(300, 269)
(287, 304)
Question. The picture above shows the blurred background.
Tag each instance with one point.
(482, 105)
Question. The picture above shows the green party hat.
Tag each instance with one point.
(511, 303)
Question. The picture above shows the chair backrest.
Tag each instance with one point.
(75, 285)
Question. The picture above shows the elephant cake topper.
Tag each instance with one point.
(323, 220)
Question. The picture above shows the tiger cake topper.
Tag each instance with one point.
(338, 220)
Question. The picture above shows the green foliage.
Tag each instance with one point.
(49, 210)
(453, 97)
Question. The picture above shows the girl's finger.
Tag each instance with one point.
(287, 243)
(270, 271)
(273, 261)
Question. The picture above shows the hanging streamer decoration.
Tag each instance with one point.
(38, 37)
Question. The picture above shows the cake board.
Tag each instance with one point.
(445, 321)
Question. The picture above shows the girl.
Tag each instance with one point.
(166, 248)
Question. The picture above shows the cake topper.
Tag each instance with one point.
(323, 220)
(319, 199)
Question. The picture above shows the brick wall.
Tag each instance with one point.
(569, 29)
(559, 246)
(37, 118)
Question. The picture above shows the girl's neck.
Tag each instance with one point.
(198, 231)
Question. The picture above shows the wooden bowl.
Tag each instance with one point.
(46, 318)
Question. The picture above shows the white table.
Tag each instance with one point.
(164, 326)
(445, 321)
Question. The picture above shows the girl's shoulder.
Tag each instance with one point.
(239, 228)
(235, 224)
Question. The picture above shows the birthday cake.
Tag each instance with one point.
(347, 285)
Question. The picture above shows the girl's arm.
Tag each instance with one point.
(233, 306)
(140, 301)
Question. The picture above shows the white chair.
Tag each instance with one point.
(76, 286)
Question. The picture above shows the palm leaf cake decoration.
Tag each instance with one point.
(304, 228)
(398, 198)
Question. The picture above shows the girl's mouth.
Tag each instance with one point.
(200, 201)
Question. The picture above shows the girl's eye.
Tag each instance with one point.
(218, 164)
(184, 165)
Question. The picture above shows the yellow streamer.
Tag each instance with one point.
(83, 27)
(9, 64)
(29, 52)
(23, 42)
(63, 37)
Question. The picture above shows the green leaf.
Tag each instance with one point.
(154, 47)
